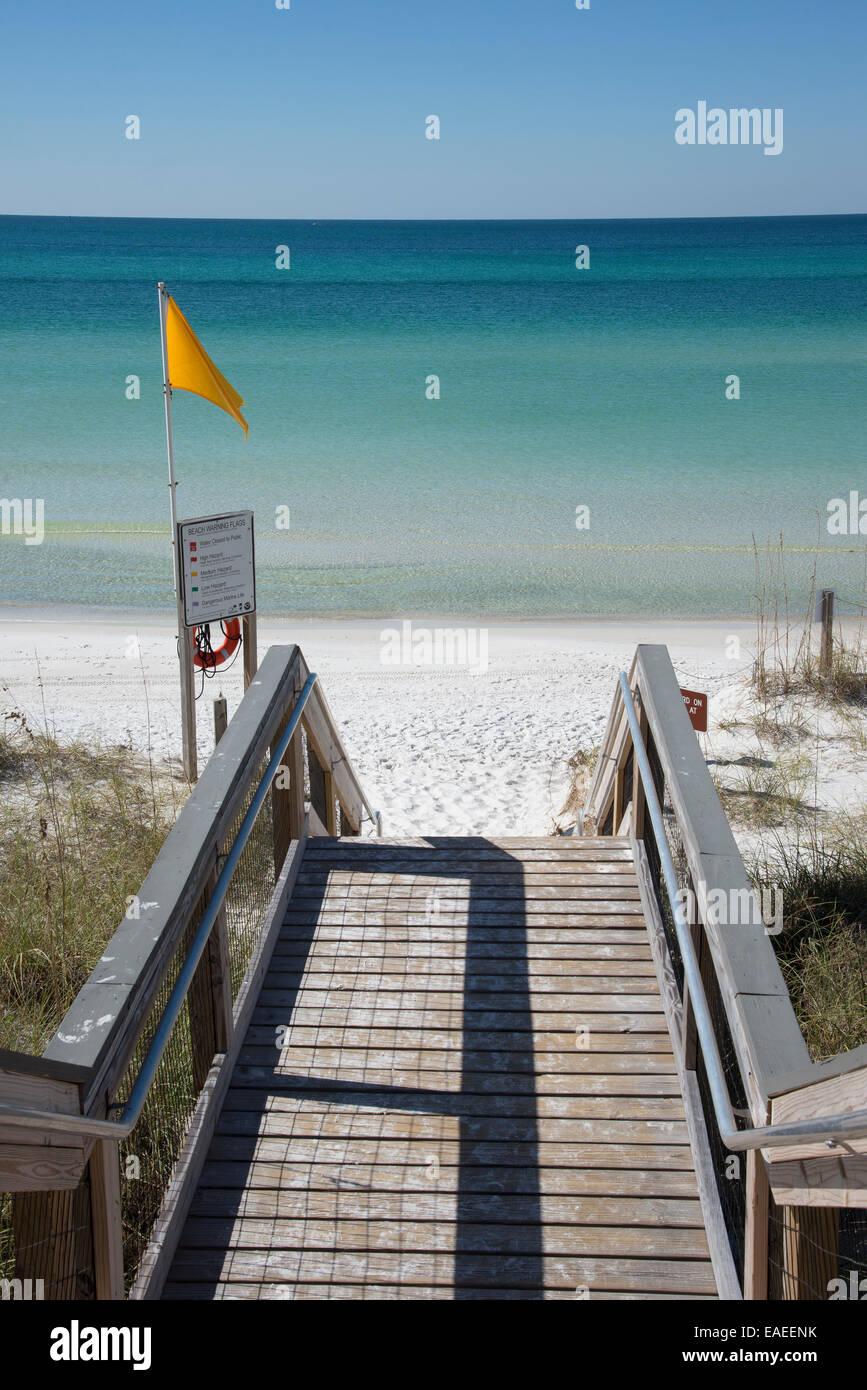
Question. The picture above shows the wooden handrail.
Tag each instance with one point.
(89, 1056)
(765, 1031)
(781, 1084)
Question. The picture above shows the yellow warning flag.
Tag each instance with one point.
(191, 369)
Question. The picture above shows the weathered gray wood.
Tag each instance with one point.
(35, 1159)
(39, 1167)
(279, 1292)
(277, 1238)
(106, 1220)
(764, 1029)
(249, 631)
(508, 956)
(644, 1157)
(378, 1176)
(417, 1035)
(323, 738)
(221, 718)
(343, 1204)
(605, 1097)
(683, 1276)
(756, 1233)
(488, 1051)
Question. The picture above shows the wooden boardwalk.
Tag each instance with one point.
(458, 1083)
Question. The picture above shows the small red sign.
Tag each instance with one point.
(696, 708)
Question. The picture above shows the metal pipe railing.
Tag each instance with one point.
(834, 1128)
(91, 1127)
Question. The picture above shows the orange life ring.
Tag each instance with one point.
(222, 652)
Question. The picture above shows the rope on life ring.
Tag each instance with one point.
(208, 658)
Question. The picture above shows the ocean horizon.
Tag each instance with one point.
(433, 404)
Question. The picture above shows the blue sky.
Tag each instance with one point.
(319, 110)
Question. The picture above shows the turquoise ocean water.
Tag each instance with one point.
(560, 387)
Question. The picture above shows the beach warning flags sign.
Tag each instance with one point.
(191, 369)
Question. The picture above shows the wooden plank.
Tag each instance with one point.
(436, 975)
(685, 1276)
(505, 918)
(460, 891)
(511, 954)
(39, 1167)
(481, 938)
(331, 1082)
(391, 1292)
(475, 1040)
(349, 1014)
(359, 1122)
(446, 843)
(656, 1102)
(414, 1178)
(435, 1206)
(833, 1181)
(573, 901)
(449, 1152)
(545, 915)
(456, 863)
(596, 877)
(397, 1000)
(279, 1237)
(835, 1094)
(411, 1060)
(35, 1160)
(819, 1175)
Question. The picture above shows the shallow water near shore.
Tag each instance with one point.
(559, 388)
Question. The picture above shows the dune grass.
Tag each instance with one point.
(79, 830)
(822, 948)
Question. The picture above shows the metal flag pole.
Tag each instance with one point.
(185, 634)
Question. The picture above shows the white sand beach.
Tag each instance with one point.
(439, 749)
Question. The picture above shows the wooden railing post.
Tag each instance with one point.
(210, 996)
(251, 655)
(106, 1220)
(690, 1036)
(756, 1229)
(287, 795)
(322, 797)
